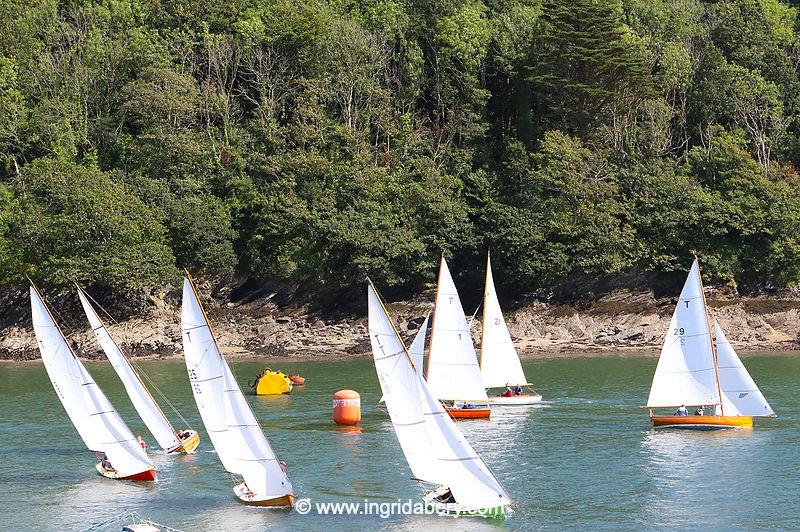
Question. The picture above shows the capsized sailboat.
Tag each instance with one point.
(172, 441)
(694, 372)
(454, 375)
(231, 425)
(434, 447)
(99, 425)
(500, 365)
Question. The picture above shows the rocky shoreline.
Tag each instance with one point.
(621, 321)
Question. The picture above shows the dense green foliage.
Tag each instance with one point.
(320, 141)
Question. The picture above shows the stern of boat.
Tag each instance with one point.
(188, 444)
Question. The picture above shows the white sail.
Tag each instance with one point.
(453, 370)
(435, 448)
(148, 410)
(417, 349)
(98, 424)
(500, 365)
(236, 434)
(685, 373)
(398, 380)
(740, 395)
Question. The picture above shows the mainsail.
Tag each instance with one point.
(453, 370)
(233, 428)
(417, 349)
(435, 448)
(685, 373)
(500, 365)
(98, 424)
(740, 395)
(145, 405)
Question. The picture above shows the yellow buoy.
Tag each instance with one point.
(271, 383)
(346, 407)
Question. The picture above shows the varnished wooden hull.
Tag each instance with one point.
(468, 413)
(188, 445)
(149, 475)
(702, 422)
(253, 499)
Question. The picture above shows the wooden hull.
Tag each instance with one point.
(702, 422)
(468, 413)
(188, 445)
(455, 509)
(253, 499)
(515, 400)
(149, 475)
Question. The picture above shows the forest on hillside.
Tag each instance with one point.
(315, 141)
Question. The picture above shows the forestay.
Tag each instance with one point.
(435, 448)
(500, 365)
(685, 373)
(740, 395)
(148, 410)
(453, 371)
(95, 419)
(229, 420)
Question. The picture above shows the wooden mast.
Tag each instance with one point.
(435, 312)
(710, 339)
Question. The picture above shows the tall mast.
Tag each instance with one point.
(435, 312)
(485, 298)
(710, 339)
(391, 322)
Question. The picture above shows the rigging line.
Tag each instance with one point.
(133, 364)
(469, 325)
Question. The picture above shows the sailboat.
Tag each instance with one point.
(99, 425)
(434, 447)
(693, 371)
(170, 440)
(231, 425)
(500, 364)
(454, 375)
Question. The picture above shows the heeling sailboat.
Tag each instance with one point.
(434, 447)
(689, 372)
(500, 364)
(168, 438)
(99, 425)
(231, 425)
(454, 375)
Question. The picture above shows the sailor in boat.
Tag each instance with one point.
(446, 497)
(141, 443)
(507, 393)
(699, 411)
(517, 390)
(682, 411)
(467, 406)
(101, 456)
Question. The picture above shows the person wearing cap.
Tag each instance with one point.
(682, 411)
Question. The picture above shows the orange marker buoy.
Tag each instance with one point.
(346, 407)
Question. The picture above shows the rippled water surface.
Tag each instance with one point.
(586, 458)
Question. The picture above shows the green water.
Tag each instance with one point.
(586, 458)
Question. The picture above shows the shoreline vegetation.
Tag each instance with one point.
(594, 147)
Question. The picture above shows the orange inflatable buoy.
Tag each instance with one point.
(346, 407)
